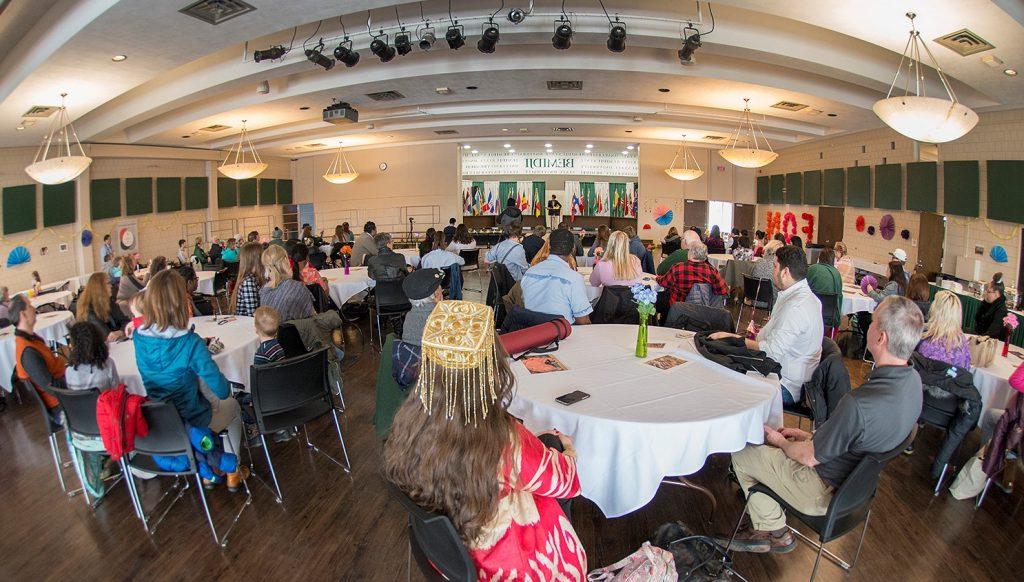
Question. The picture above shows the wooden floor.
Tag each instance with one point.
(334, 525)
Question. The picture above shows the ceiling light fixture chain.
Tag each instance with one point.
(65, 166)
(686, 173)
(239, 168)
(748, 157)
(340, 171)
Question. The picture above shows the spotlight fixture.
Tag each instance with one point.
(345, 54)
(426, 36)
(466, 147)
(119, 58)
(563, 34)
(617, 37)
(547, 145)
(488, 38)
(271, 54)
(506, 146)
(1010, 72)
(455, 37)
(316, 56)
(590, 146)
(518, 15)
(402, 43)
(690, 45)
(381, 49)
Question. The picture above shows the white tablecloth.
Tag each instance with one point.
(854, 301)
(992, 381)
(593, 293)
(240, 343)
(52, 327)
(344, 287)
(412, 257)
(205, 279)
(870, 266)
(59, 298)
(719, 260)
(642, 424)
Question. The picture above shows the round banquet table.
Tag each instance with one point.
(593, 293)
(719, 260)
(642, 424)
(205, 279)
(344, 287)
(52, 327)
(993, 381)
(58, 298)
(238, 336)
(854, 301)
(412, 257)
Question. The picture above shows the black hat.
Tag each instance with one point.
(421, 283)
(562, 242)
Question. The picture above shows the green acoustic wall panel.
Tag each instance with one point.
(19, 208)
(284, 191)
(227, 192)
(889, 186)
(247, 192)
(923, 186)
(197, 195)
(794, 188)
(104, 198)
(858, 186)
(834, 186)
(778, 189)
(812, 187)
(960, 188)
(138, 196)
(1006, 190)
(168, 194)
(764, 195)
(59, 204)
(268, 191)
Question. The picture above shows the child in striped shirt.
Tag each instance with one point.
(267, 321)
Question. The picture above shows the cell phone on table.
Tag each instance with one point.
(572, 397)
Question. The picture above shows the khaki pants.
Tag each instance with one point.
(798, 484)
(226, 414)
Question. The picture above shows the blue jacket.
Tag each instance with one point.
(171, 362)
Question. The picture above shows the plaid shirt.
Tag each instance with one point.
(682, 277)
(248, 297)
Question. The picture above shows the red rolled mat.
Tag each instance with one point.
(539, 335)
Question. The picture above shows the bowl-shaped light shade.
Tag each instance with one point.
(926, 119)
(685, 174)
(242, 171)
(58, 170)
(342, 178)
(748, 158)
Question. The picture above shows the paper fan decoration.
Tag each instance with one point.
(871, 231)
(86, 237)
(127, 239)
(866, 281)
(860, 224)
(887, 227)
(998, 254)
(648, 226)
(905, 234)
(662, 214)
(18, 256)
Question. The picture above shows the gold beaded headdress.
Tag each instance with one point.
(458, 348)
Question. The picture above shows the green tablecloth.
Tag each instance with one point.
(970, 305)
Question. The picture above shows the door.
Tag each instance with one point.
(743, 216)
(929, 244)
(830, 225)
(695, 213)
(306, 216)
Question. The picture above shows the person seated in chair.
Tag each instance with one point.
(33, 361)
(553, 286)
(825, 279)
(198, 303)
(386, 265)
(989, 318)
(806, 469)
(440, 257)
(944, 339)
(679, 255)
(364, 246)
(695, 269)
(533, 242)
(423, 288)
(616, 266)
(510, 253)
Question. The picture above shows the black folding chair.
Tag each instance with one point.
(291, 341)
(850, 506)
(220, 290)
(830, 313)
(434, 544)
(80, 417)
(168, 437)
(757, 294)
(390, 301)
(293, 392)
(472, 258)
(52, 428)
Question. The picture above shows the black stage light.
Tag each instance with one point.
(345, 54)
(427, 37)
(271, 54)
(489, 39)
(690, 46)
(563, 35)
(617, 37)
(402, 43)
(317, 58)
(381, 48)
(455, 38)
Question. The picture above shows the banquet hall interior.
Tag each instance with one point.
(672, 173)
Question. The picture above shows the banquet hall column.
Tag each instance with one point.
(85, 258)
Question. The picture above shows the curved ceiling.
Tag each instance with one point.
(182, 75)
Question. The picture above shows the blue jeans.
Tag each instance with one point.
(787, 398)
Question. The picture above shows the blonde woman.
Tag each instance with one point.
(289, 297)
(944, 339)
(843, 263)
(617, 266)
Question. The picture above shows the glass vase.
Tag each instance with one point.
(641, 338)
(346, 262)
(1006, 347)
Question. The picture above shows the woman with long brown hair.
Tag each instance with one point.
(501, 489)
(245, 298)
(159, 263)
(343, 234)
(441, 257)
(95, 306)
(600, 241)
(129, 284)
(463, 241)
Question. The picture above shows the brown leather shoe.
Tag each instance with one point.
(338, 338)
(759, 542)
(235, 479)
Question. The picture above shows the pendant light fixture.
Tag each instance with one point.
(65, 166)
(917, 116)
(235, 165)
(752, 156)
(340, 171)
(686, 173)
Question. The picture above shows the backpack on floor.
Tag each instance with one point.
(697, 558)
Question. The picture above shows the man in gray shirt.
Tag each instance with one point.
(364, 245)
(806, 469)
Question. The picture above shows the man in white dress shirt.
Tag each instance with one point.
(794, 333)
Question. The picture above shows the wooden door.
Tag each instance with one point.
(830, 225)
(743, 217)
(929, 244)
(695, 213)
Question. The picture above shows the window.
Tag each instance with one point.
(720, 213)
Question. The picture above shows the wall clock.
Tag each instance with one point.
(383, 166)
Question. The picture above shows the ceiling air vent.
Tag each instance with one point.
(386, 96)
(40, 111)
(214, 128)
(789, 106)
(563, 129)
(964, 42)
(445, 131)
(565, 85)
(216, 11)
(713, 138)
